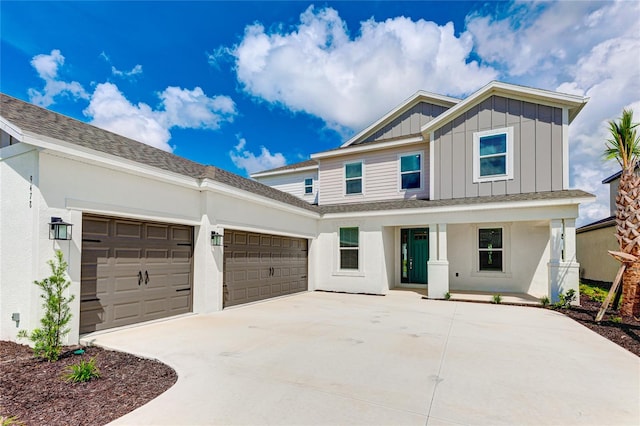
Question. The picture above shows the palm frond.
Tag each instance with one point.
(624, 144)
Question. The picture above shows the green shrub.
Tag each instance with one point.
(616, 320)
(82, 371)
(497, 298)
(565, 300)
(447, 296)
(544, 301)
(48, 338)
(10, 421)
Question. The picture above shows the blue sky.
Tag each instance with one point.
(253, 85)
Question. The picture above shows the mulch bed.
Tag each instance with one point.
(33, 391)
(625, 333)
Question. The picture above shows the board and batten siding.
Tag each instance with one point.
(537, 156)
(381, 174)
(293, 183)
(408, 123)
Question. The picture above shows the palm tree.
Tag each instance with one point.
(624, 146)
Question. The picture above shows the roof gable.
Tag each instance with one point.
(429, 104)
(545, 97)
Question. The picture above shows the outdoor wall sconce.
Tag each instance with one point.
(216, 239)
(59, 229)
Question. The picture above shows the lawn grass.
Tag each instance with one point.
(594, 292)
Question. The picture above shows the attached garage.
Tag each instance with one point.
(261, 266)
(133, 271)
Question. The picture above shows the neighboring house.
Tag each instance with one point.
(467, 195)
(595, 240)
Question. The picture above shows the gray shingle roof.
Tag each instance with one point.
(423, 204)
(306, 163)
(41, 121)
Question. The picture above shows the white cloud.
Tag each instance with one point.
(47, 67)
(248, 161)
(195, 110)
(134, 71)
(348, 82)
(111, 110)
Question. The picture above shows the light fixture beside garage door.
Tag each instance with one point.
(59, 229)
(216, 239)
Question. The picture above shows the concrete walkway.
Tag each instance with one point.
(336, 359)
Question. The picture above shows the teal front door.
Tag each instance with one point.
(414, 246)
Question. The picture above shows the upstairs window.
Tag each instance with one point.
(353, 178)
(410, 171)
(490, 249)
(308, 186)
(349, 248)
(493, 155)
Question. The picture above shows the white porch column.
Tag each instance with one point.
(438, 265)
(563, 268)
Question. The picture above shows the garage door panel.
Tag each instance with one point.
(157, 256)
(280, 259)
(181, 256)
(127, 255)
(156, 232)
(126, 310)
(127, 229)
(181, 234)
(115, 251)
(96, 226)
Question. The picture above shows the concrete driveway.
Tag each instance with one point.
(335, 359)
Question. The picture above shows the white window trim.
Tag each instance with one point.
(506, 251)
(344, 178)
(304, 187)
(476, 155)
(407, 154)
(337, 271)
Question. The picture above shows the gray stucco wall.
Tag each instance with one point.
(408, 123)
(537, 156)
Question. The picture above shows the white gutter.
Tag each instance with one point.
(284, 172)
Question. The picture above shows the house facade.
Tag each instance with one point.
(440, 193)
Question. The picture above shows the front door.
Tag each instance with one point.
(414, 246)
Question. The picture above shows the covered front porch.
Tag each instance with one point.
(523, 261)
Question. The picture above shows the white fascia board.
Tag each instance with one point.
(284, 172)
(419, 96)
(70, 150)
(543, 97)
(240, 226)
(11, 128)
(464, 208)
(128, 212)
(367, 147)
(232, 191)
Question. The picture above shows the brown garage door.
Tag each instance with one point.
(260, 266)
(133, 271)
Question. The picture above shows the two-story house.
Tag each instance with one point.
(440, 193)
(468, 195)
